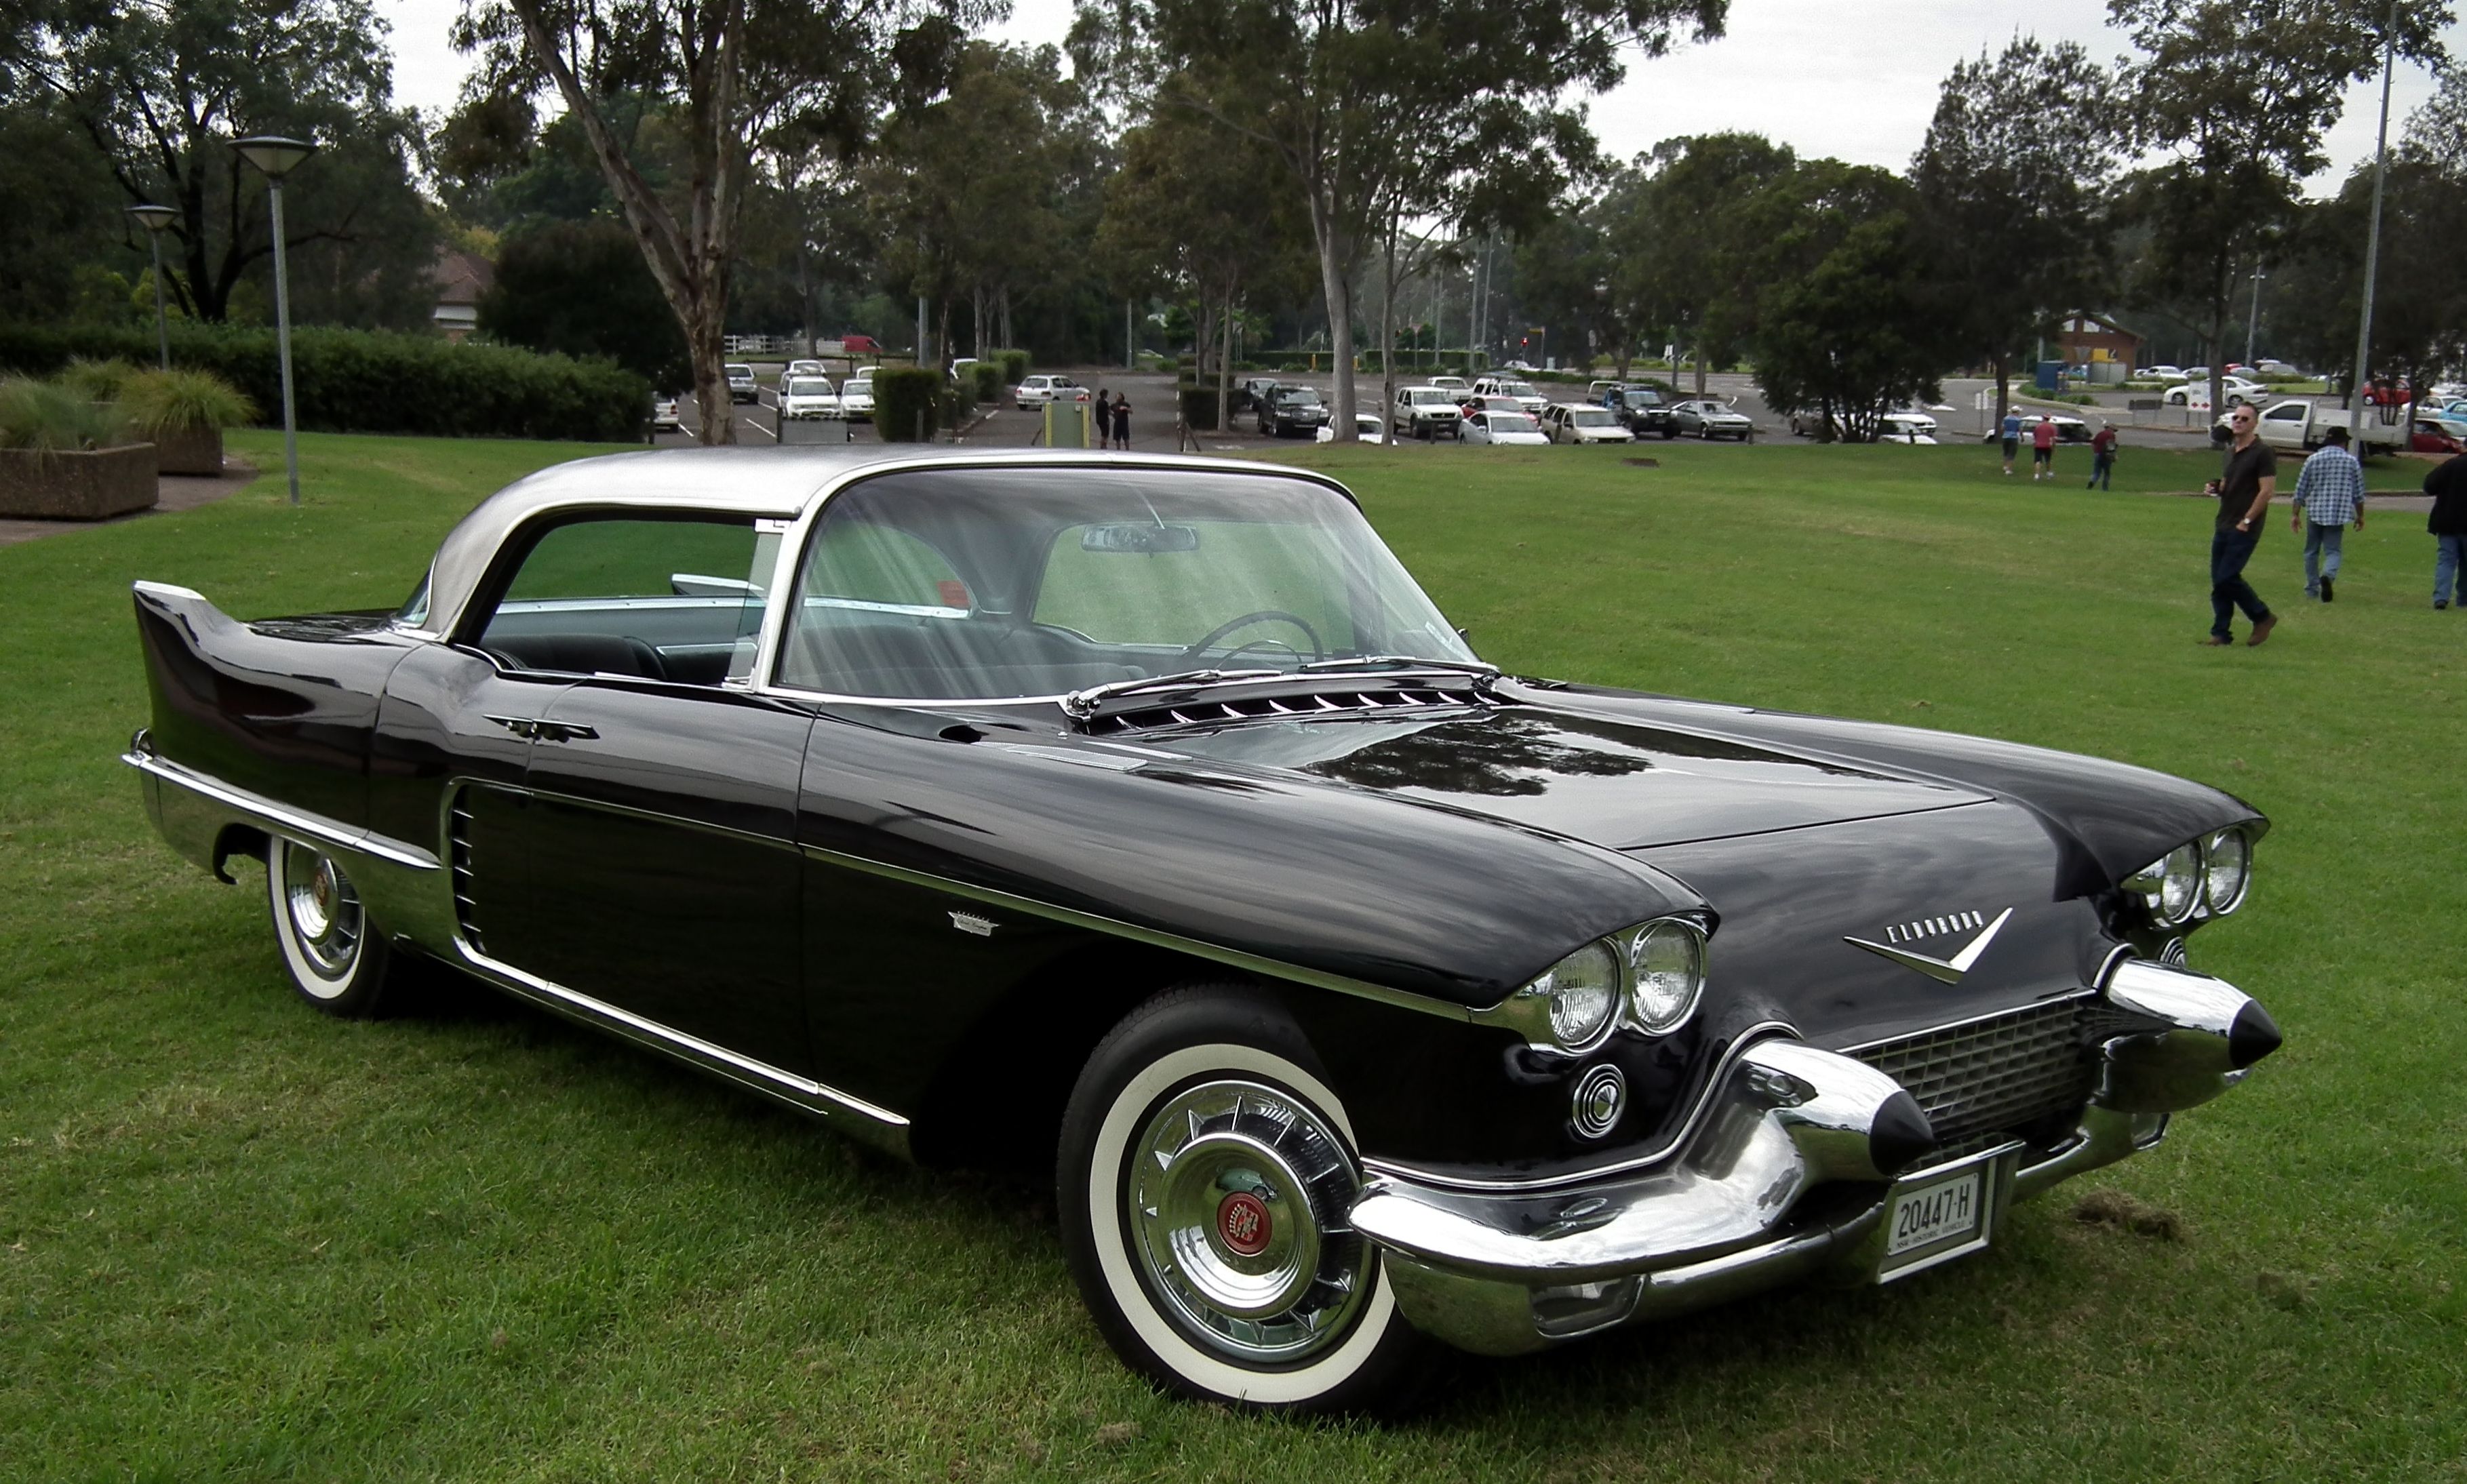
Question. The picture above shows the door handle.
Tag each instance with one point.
(540, 730)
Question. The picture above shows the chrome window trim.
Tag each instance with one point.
(1703, 1109)
(772, 639)
(618, 1017)
(309, 825)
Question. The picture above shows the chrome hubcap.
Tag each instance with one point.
(325, 909)
(1236, 1202)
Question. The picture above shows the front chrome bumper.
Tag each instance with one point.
(1789, 1177)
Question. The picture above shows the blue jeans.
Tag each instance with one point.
(2230, 551)
(2098, 467)
(2321, 546)
(2448, 556)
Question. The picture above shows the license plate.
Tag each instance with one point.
(1937, 1215)
(1929, 1214)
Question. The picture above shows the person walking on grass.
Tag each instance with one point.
(2043, 450)
(2102, 457)
(2244, 489)
(2329, 493)
(2447, 485)
(2012, 437)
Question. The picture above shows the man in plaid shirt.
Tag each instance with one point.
(2329, 493)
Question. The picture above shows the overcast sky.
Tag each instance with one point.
(1852, 78)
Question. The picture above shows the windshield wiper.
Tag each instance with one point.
(1084, 703)
(1473, 667)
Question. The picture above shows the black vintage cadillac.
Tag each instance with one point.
(1144, 816)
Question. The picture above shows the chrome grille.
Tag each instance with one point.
(2004, 1072)
(1318, 702)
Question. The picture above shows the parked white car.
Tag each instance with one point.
(1522, 390)
(741, 386)
(1368, 427)
(1495, 426)
(802, 369)
(664, 416)
(856, 397)
(808, 396)
(2163, 373)
(2236, 390)
(1426, 412)
(1037, 391)
(2068, 430)
(1456, 383)
(1579, 423)
(2296, 425)
(1906, 428)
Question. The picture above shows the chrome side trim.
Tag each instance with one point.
(653, 815)
(1116, 927)
(167, 590)
(1740, 1045)
(770, 1078)
(282, 817)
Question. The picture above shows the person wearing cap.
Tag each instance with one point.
(2329, 493)
(2243, 489)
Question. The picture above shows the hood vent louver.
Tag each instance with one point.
(1318, 702)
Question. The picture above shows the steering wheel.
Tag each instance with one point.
(1257, 616)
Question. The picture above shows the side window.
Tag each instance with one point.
(674, 600)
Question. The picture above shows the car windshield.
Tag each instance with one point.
(1006, 583)
(739, 373)
(809, 386)
(1431, 398)
(1298, 396)
(1513, 422)
(1514, 389)
(1592, 417)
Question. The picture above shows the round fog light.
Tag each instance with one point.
(1601, 1096)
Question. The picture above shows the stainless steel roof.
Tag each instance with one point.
(770, 483)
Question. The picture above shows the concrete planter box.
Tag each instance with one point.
(76, 487)
(189, 451)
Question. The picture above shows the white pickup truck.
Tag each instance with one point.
(2298, 425)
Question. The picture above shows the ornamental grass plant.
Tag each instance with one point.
(161, 402)
(47, 417)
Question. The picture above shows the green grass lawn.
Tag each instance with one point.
(243, 1241)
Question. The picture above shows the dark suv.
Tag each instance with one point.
(1290, 410)
(1643, 409)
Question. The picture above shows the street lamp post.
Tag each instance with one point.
(2252, 321)
(155, 218)
(276, 157)
(2373, 236)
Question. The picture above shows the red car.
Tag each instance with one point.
(859, 345)
(2427, 437)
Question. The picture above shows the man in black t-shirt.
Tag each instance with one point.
(2447, 485)
(2244, 490)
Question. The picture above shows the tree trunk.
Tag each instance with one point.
(1337, 290)
(1009, 338)
(1700, 369)
(2003, 390)
(943, 333)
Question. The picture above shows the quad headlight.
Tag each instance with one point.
(1580, 996)
(1650, 976)
(2211, 873)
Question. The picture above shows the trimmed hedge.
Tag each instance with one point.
(989, 385)
(374, 381)
(1014, 364)
(1198, 407)
(907, 403)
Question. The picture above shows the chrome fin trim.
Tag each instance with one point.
(808, 1093)
(282, 818)
(1116, 927)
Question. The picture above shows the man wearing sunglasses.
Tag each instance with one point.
(2244, 490)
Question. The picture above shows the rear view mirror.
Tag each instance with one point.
(1140, 538)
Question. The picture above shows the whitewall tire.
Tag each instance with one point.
(335, 959)
(1204, 1178)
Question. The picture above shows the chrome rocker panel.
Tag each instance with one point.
(1788, 1178)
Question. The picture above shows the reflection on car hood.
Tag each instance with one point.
(1612, 783)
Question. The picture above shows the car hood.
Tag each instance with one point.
(1612, 783)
